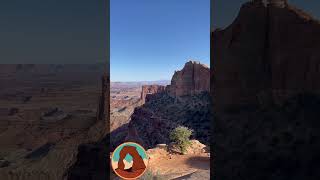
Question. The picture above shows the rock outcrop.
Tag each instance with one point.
(266, 66)
(132, 135)
(150, 89)
(195, 147)
(53, 115)
(267, 54)
(91, 161)
(194, 78)
(185, 102)
(104, 103)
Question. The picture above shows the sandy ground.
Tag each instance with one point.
(178, 166)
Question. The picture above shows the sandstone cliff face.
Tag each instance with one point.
(185, 102)
(194, 78)
(104, 105)
(91, 161)
(266, 92)
(268, 52)
(150, 89)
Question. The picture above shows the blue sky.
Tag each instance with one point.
(150, 39)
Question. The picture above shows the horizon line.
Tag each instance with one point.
(139, 81)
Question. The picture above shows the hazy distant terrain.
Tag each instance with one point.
(46, 111)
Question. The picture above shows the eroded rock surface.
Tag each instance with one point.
(267, 54)
(194, 78)
(150, 89)
(266, 94)
(185, 102)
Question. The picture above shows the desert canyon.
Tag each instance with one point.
(56, 120)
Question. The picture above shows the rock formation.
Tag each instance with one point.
(266, 67)
(279, 45)
(53, 115)
(91, 161)
(132, 135)
(194, 78)
(150, 89)
(104, 105)
(185, 102)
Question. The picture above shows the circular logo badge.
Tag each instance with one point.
(129, 160)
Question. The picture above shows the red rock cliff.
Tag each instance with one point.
(192, 79)
(269, 53)
(104, 103)
(151, 89)
(266, 66)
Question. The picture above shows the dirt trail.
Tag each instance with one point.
(182, 166)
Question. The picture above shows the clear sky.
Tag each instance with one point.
(150, 39)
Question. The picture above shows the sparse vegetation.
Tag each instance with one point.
(180, 136)
(173, 115)
(149, 175)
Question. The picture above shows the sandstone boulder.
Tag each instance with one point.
(195, 147)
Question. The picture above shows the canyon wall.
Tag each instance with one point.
(185, 102)
(192, 79)
(150, 89)
(266, 93)
(104, 105)
(268, 53)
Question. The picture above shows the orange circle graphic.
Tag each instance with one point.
(129, 160)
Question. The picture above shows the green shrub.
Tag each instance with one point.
(149, 175)
(180, 136)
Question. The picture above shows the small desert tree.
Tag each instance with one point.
(180, 136)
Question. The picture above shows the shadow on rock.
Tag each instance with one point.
(199, 162)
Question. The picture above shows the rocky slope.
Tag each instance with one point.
(266, 93)
(180, 104)
(159, 110)
(92, 161)
(150, 89)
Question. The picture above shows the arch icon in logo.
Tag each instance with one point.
(129, 160)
